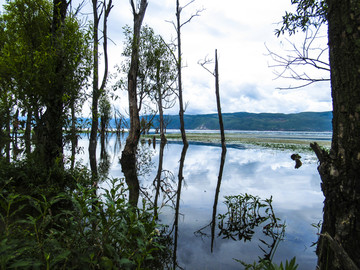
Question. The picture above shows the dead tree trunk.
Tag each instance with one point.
(218, 103)
(179, 67)
(338, 246)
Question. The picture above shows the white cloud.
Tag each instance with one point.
(238, 30)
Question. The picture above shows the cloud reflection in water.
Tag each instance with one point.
(297, 200)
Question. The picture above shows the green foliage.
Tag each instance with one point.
(76, 229)
(268, 265)
(308, 13)
(105, 111)
(157, 67)
(245, 213)
(29, 177)
(42, 67)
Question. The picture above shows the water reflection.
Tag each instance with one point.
(296, 195)
(245, 214)
(177, 206)
(221, 170)
(164, 181)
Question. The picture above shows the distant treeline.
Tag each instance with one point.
(305, 121)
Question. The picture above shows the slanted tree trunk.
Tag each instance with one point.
(338, 246)
(128, 157)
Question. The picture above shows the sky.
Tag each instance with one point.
(239, 31)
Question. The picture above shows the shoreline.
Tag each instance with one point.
(255, 139)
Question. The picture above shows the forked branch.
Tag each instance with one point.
(295, 63)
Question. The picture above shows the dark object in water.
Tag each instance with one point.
(297, 158)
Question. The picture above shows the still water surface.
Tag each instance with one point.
(296, 198)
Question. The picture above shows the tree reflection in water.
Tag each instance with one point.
(213, 223)
(245, 215)
(164, 181)
(177, 206)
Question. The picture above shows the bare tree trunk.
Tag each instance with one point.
(161, 119)
(179, 66)
(95, 92)
(218, 103)
(160, 104)
(128, 157)
(338, 246)
(223, 152)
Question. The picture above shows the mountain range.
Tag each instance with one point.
(304, 121)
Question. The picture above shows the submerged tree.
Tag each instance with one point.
(339, 168)
(97, 91)
(128, 157)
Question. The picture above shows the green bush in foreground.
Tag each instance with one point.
(78, 230)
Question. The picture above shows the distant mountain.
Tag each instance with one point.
(305, 121)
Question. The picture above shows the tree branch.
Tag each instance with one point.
(192, 16)
(205, 62)
(133, 6)
(321, 154)
(296, 59)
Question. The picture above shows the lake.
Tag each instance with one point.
(260, 173)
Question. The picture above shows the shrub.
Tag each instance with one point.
(78, 229)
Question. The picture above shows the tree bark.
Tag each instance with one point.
(53, 117)
(179, 67)
(27, 134)
(218, 103)
(340, 168)
(96, 90)
(128, 157)
(159, 99)
(95, 93)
